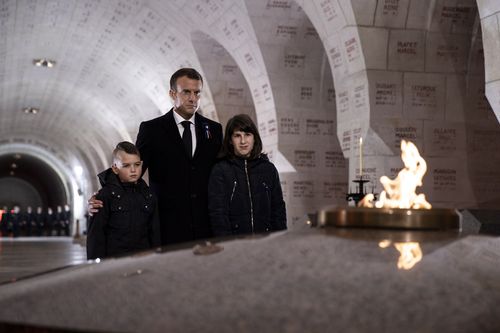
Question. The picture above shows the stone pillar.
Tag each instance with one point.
(409, 69)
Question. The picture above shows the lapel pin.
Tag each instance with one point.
(206, 128)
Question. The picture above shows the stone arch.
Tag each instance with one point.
(400, 71)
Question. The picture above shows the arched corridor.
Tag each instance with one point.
(318, 77)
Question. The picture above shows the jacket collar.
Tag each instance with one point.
(240, 162)
(109, 178)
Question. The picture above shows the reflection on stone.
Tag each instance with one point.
(411, 254)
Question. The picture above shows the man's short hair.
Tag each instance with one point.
(189, 72)
(127, 147)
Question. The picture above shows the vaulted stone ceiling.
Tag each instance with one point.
(262, 57)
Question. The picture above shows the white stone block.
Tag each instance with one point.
(267, 125)
(229, 71)
(334, 161)
(265, 29)
(309, 8)
(236, 94)
(315, 160)
(272, 8)
(319, 129)
(262, 94)
(418, 14)
(302, 189)
(406, 50)
(303, 158)
(444, 139)
(289, 129)
(424, 96)
(392, 131)
(364, 11)
(373, 169)
(452, 16)
(345, 138)
(392, 13)
(447, 182)
(306, 93)
(336, 56)
(447, 53)
(353, 100)
(484, 142)
(348, 132)
(374, 43)
(308, 36)
(333, 190)
(279, 31)
(456, 97)
(328, 98)
(274, 56)
(386, 94)
(208, 12)
(330, 15)
(305, 128)
(352, 48)
(282, 94)
(234, 28)
(485, 175)
(250, 60)
(294, 61)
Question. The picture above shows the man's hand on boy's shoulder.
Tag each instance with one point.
(94, 204)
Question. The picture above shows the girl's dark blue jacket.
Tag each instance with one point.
(245, 197)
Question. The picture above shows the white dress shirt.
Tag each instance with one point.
(178, 120)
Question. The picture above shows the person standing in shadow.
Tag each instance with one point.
(50, 219)
(6, 223)
(245, 195)
(29, 219)
(58, 220)
(40, 221)
(66, 220)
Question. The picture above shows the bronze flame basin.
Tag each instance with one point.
(391, 218)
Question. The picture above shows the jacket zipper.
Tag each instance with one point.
(232, 193)
(249, 195)
(267, 193)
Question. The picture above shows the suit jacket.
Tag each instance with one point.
(180, 182)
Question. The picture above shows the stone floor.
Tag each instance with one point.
(27, 256)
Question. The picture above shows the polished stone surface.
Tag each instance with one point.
(301, 280)
(26, 256)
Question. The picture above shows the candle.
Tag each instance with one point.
(360, 158)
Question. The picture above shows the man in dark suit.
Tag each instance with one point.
(179, 149)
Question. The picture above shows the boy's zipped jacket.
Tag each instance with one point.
(128, 220)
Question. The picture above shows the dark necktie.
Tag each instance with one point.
(186, 137)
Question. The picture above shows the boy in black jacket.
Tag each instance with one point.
(129, 219)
